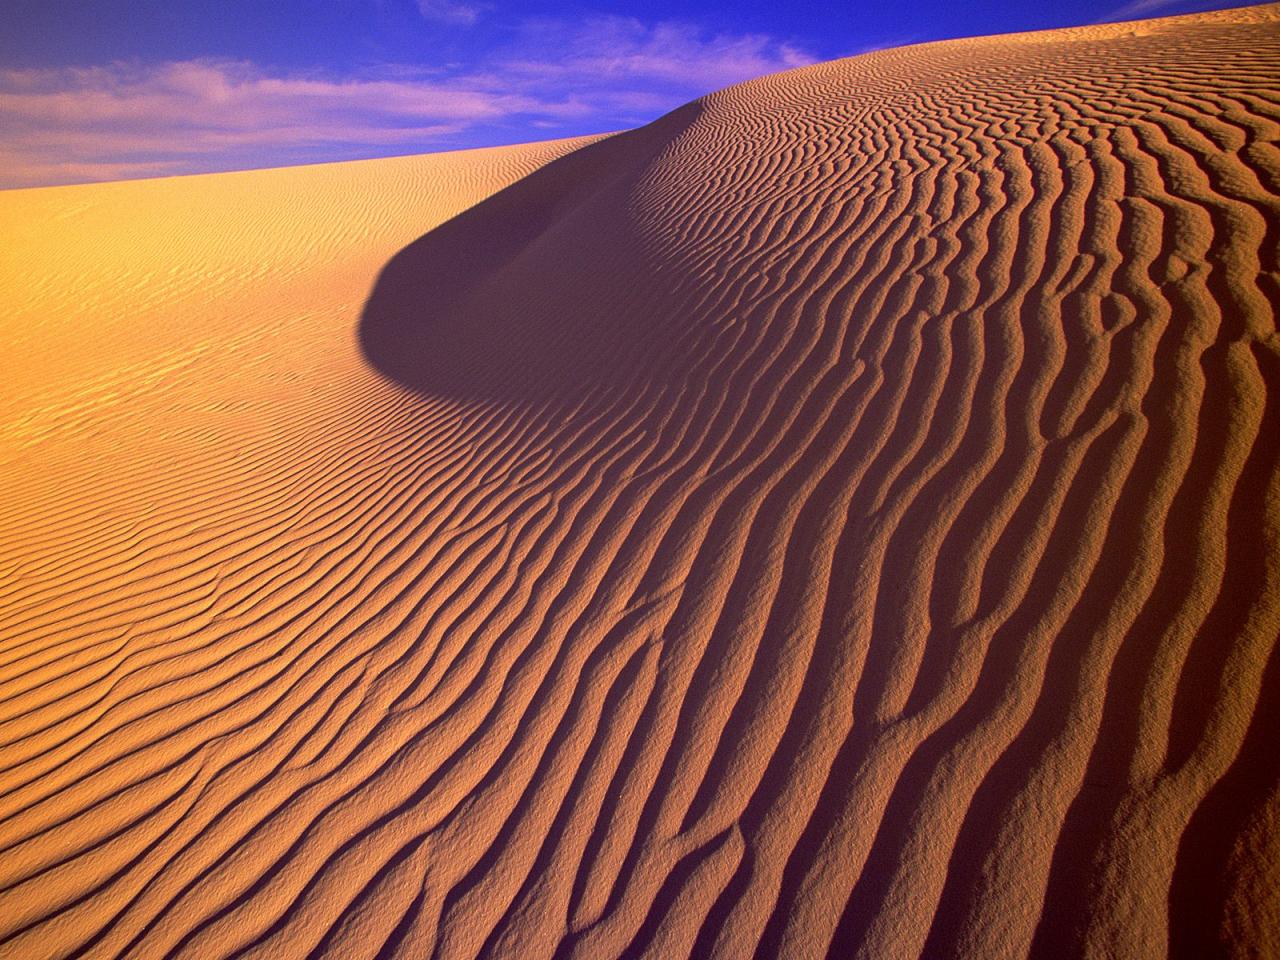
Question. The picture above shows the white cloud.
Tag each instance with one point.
(87, 123)
(450, 11)
(1140, 9)
(609, 49)
(63, 125)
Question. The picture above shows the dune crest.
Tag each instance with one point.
(838, 519)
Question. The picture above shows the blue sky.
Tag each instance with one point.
(109, 89)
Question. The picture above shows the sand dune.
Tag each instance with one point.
(837, 519)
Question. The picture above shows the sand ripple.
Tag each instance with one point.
(838, 519)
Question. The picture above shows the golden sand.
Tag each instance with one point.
(837, 519)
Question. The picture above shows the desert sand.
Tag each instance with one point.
(839, 519)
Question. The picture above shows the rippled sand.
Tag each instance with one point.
(837, 519)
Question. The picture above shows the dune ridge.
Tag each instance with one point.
(838, 519)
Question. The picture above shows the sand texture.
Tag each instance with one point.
(839, 519)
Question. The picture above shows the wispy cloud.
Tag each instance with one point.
(1140, 9)
(450, 11)
(207, 115)
(121, 120)
(606, 49)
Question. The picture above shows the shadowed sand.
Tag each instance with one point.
(838, 519)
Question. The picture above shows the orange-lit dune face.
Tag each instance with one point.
(838, 519)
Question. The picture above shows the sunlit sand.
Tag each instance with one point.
(837, 519)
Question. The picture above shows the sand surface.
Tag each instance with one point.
(839, 519)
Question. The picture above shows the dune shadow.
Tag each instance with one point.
(518, 297)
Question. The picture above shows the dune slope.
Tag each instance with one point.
(838, 519)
